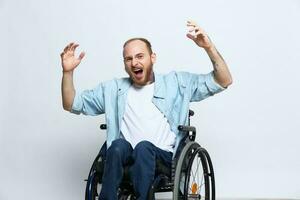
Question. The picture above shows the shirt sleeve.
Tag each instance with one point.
(89, 102)
(202, 86)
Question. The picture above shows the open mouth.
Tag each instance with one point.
(138, 72)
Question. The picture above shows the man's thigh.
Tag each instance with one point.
(146, 148)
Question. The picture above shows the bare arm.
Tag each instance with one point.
(221, 71)
(69, 63)
(67, 90)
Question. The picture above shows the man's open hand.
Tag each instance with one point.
(198, 35)
(68, 60)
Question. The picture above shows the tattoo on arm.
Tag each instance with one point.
(214, 62)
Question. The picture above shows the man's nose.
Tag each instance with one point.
(134, 62)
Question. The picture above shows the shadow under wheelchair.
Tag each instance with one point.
(191, 176)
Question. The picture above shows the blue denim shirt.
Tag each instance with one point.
(172, 94)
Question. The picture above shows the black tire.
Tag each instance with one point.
(186, 186)
(93, 186)
(210, 174)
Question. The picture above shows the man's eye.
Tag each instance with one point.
(140, 56)
(127, 59)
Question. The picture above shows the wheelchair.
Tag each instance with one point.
(191, 176)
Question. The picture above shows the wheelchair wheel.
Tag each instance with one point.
(194, 178)
(94, 183)
(93, 186)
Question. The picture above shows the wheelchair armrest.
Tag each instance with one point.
(186, 128)
(190, 130)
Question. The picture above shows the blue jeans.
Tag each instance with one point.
(142, 171)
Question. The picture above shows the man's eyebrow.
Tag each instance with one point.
(127, 57)
(138, 54)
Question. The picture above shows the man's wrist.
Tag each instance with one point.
(67, 72)
(211, 48)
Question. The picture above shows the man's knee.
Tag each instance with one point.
(143, 147)
(118, 147)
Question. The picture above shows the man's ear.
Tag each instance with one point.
(153, 57)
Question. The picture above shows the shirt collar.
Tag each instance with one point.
(159, 87)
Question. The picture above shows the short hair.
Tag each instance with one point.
(148, 44)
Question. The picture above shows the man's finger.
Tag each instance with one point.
(196, 28)
(190, 36)
(191, 23)
(73, 47)
(68, 47)
(199, 31)
(81, 55)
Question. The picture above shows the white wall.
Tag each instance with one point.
(251, 130)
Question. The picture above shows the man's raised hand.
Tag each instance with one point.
(68, 60)
(198, 35)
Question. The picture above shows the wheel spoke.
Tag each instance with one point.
(191, 171)
(196, 184)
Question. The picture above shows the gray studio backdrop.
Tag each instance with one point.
(251, 130)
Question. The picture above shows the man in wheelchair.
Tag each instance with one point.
(142, 111)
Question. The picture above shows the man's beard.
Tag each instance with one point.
(148, 76)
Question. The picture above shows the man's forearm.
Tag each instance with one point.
(68, 90)
(221, 72)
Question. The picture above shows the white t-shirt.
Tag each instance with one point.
(142, 120)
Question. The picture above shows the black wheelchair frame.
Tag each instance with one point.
(181, 179)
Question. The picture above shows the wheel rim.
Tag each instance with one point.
(191, 175)
(195, 184)
(94, 188)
